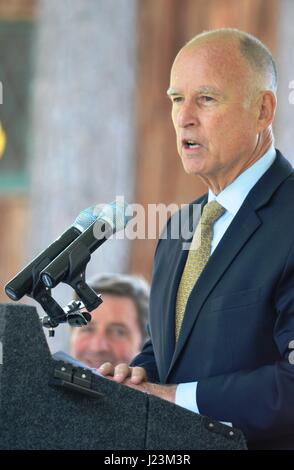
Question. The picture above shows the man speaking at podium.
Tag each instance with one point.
(222, 312)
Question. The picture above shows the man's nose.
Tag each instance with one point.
(99, 342)
(187, 115)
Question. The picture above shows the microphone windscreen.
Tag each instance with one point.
(85, 218)
(114, 214)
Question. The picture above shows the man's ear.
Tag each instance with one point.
(267, 104)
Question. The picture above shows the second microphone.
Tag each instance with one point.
(110, 221)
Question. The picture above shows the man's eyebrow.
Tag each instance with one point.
(172, 91)
(118, 324)
(209, 90)
(204, 89)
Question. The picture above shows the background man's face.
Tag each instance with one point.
(113, 335)
(209, 86)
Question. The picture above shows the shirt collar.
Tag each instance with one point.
(233, 196)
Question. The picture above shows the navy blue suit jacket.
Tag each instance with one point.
(239, 318)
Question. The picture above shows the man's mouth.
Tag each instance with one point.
(95, 360)
(190, 144)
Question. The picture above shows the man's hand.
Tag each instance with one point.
(121, 372)
(135, 377)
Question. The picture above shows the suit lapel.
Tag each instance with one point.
(245, 223)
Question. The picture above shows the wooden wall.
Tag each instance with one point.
(163, 28)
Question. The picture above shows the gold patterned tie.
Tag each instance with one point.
(198, 256)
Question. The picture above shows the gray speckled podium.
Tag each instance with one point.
(37, 415)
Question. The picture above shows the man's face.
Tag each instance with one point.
(113, 335)
(211, 109)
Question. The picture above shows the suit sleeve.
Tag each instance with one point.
(260, 402)
(146, 360)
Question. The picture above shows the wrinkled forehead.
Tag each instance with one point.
(219, 62)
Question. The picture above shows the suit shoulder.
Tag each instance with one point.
(287, 187)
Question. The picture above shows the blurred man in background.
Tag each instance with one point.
(117, 330)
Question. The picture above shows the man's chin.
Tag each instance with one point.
(193, 166)
(191, 169)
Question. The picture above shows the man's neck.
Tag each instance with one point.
(217, 183)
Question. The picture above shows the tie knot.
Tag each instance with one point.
(211, 212)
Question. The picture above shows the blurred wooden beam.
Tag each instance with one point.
(13, 214)
(18, 9)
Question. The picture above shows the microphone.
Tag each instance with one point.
(24, 281)
(73, 259)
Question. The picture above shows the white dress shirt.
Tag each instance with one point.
(231, 198)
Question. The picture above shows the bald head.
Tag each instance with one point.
(257, 56)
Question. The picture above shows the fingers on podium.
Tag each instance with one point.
(106, 369)
(138, 375)
(122, 372)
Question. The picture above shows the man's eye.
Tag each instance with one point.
(177, 99)
(206, 99)
(117, 331)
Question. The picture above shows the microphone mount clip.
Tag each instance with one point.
(71, 313)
